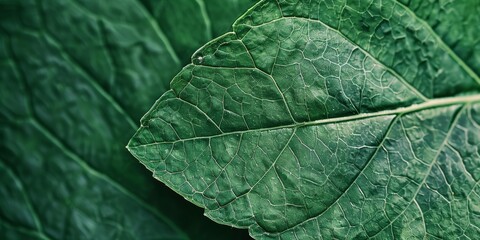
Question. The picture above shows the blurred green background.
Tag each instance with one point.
(75, 78)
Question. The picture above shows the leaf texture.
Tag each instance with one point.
(70, 74)
(325, 120)
(191, 23)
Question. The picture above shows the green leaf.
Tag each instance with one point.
(73, 77)
(329, 120)
(192, 23)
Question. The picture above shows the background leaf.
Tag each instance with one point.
(75, 78)
(321, 119)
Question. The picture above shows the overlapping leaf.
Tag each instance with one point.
(73, 76)
(325, 119)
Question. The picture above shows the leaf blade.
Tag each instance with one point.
(239, 173)
(70, 74)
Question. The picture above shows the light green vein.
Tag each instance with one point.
(27, 200)
(272, 165)
(206, 19)
(79, 69)
(159, 32)
(435, 103)
(69, 153)
(388, 68)
(24, 231)
(389, 129)
(456, 117)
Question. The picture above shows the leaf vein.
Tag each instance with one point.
(380, 145)
(436, 103)
(83, 164)
(456, 117)
(442, 43)
(391, 70)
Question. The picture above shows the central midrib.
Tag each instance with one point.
(434, 103)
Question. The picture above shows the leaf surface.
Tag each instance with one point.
(189, 24)
(321, 119)
(70, 77)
